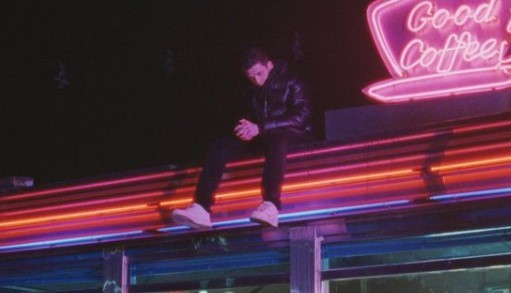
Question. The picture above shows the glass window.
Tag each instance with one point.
(475, 280)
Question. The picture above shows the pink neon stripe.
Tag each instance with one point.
(472, 128)
(82, 187)
(85, 204)
(476, 149)
(426, 93)
(446, 51)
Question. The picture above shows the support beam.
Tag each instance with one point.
(115, 271)
(305, 261)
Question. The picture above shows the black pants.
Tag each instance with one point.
(273, 145)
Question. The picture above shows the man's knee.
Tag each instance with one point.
(224, 149)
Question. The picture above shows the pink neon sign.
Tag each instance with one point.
(437, 48)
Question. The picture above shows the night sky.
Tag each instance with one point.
(90, 88)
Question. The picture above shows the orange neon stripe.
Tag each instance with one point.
(130, 221)
(472, 164)
(352, 195)
(239, 194)
(81, 205)
(298, 186)
(37, 220)
(176, 202)
(350, 179)
(320, 183)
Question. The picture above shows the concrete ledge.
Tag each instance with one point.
(353, 124)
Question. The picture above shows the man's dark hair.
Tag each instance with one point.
(254, 55)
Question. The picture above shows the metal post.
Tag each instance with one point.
(115, 271)
(305, 260)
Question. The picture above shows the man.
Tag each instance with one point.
(277, 114)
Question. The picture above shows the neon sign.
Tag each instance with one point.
(438, 48)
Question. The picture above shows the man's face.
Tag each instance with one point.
(258, 74)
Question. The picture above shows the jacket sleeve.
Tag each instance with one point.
(297, 109)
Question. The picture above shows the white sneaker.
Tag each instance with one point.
(194, 216)
(266, 214)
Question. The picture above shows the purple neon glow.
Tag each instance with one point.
(459, 195)
(440, 47)
(287, 217)
(243, 221)
(67, 241)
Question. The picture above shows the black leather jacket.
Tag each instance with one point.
(282, 102)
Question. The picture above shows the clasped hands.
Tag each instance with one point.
(246, 130)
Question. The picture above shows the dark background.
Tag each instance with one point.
(149, 82)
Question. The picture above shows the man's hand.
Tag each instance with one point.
(246, 130)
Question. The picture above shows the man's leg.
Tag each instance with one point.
(275, 150)
(219, 154)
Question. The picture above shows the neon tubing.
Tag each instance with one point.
(321, 151)
(472, 164)
(312, 184)
(88, 186)
(71, 216)
(92, 238)
(88, 204)
(289, 216)
(472, 128)
(444, 48)
(500, 191)
(251, 192)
